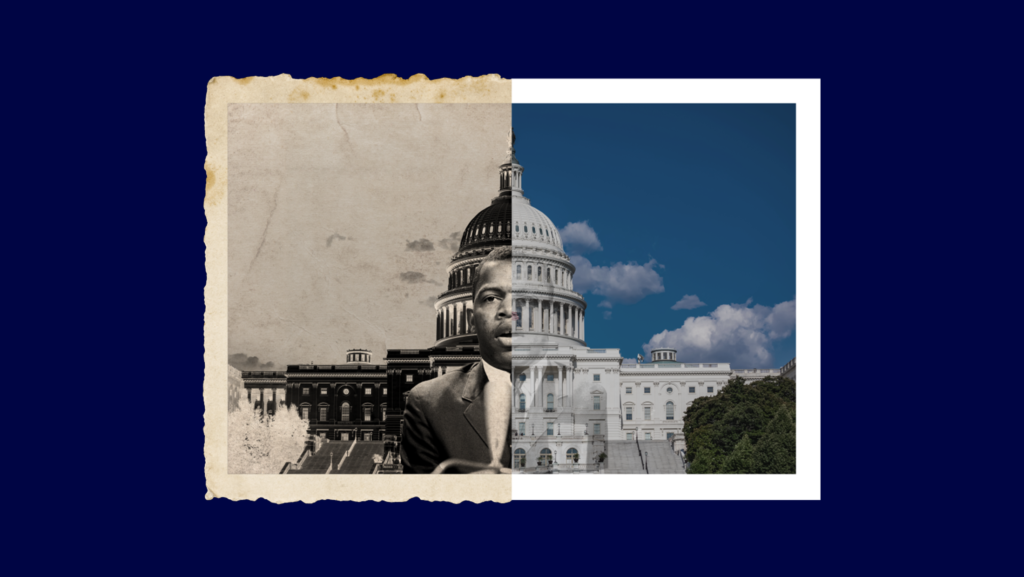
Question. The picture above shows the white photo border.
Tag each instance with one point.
(806, 95)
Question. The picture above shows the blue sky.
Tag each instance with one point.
(691, 206)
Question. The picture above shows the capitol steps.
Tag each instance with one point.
(360, 462)
(623, 458)
(318, 463)
(661, 459)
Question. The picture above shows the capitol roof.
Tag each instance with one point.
(490, 226)
(533, 225)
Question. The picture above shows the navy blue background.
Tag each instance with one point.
(106, 272)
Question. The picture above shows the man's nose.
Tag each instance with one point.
(505, 310)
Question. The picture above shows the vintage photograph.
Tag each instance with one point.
(361, 239)
(424, 289)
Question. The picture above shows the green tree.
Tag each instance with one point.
(713, 427)
(741, 459)
(776, 452)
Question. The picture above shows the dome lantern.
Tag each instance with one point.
(511, 172)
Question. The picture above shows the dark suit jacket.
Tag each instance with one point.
(444, 418)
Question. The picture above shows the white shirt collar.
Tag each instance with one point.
(495, 375)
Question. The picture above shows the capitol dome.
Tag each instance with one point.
(490, 227)
(548, 310)
(533, 226)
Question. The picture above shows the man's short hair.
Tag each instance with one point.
(498, 254)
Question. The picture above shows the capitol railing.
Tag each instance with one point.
(560, 468)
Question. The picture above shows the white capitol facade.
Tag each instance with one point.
(570, 399)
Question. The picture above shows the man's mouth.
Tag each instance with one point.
(504, 337)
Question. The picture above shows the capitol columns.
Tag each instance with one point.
(561, 387)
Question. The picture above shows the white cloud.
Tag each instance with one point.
(688, 302)
(736, 334)
(580, 236)
(618, 283)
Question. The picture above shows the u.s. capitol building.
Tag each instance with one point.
(571, 402)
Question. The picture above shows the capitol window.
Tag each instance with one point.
(305, 391)
(529, 272)
(368, 391)
(323, 391)
(323, 413)
(647, 390)
(520, 460)
(668, 390)
(551, 428)
(629, 436)
(597, 377)
(522, 402)
(693, 389)
(669, 436)
(670, 411)
(629, 413)
(551, 377)
(647, 436)
(385, 391)
(597, 402)
(629, 390)
(367, 412)
(408, 378)
(647, 413)
(711, 389)
(551, 402)
(545, 456)
(305, 412)
(572, 456)
(519, 267)
(597, 428)
(345, 410)
(522, 429)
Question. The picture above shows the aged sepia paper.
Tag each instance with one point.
(306, 274)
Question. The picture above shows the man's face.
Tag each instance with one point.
(492, 313)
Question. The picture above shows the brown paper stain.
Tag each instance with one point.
(211, 179)
(387, 88)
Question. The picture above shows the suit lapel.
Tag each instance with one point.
(472, 394)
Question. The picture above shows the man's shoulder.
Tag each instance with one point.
(432, 391)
